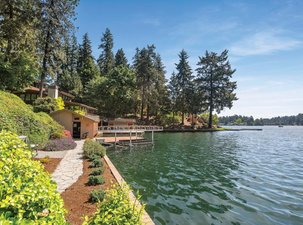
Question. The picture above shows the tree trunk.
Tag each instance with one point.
(211, 105)
(192, 119)
(210, 119)
(142, 103)
(44, 64)
(147, 112)
(46, 55)
(9, 39)
(182, 118)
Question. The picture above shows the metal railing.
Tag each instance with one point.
(130, 128)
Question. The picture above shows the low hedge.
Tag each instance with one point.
(96, 172)
(96, 196)
(116, 208)
(92, 148)
(19, 118)
(27, 193)
(95, 180)
(96, 163)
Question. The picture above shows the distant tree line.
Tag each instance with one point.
(250, 121)
(38, 43)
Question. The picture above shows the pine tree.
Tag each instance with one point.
(173, 89)
(120, 58)
(184, 79)
(18, 35)
(55, 23)
(87, 68)
(213, 79)
(69, 80)
(106, 60)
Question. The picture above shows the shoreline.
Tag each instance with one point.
(209, 130)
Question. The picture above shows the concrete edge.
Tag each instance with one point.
(145, 217)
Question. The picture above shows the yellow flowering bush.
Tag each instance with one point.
(27, 193)
(116, 209)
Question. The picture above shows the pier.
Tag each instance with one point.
(127, 135)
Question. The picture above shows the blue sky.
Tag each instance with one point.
(264, 39)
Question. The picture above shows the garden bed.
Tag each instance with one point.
(51, 164)
(76, 197)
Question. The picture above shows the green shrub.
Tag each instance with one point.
(19, 118)
(96, 163)
(48, 104)
(96, 196)
(170, 119)
(93, 157)
(91, 148)
(60, 103)
(96, 172)
(27, 193)
(116, 208)
(95, 180)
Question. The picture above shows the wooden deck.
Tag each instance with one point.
(112, 139)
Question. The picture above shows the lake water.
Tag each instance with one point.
(246, 177)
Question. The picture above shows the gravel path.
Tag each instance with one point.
(70, 168)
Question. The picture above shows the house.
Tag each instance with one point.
(80, 126)
(80, 119)
(31, 93)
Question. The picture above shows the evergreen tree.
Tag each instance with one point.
(184, 79)
(55, 24)
(173, 89)
(18, 34)
(213, 79)
(106, 60)
(120, 58)
(113, 94)
(69, 80)
(87, 68)
(161, 102)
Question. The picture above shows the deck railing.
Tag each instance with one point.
(130, 128)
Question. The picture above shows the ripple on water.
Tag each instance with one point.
(220, 178)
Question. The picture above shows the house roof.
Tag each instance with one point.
(67, 94)
(80, 104)
(94, 118)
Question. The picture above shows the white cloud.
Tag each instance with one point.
(264, 43)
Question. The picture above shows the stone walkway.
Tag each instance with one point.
(51, 154)
(70, 168)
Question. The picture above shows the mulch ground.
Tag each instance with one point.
(76, 196)
(51, 164)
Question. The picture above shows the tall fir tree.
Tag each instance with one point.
(214, 75)
(120, 58)
(184, 79)
(69, 79)
(106, 59)
(87, 68)
(55, 24)
(173, 89)
(150, 76)
(18, 50)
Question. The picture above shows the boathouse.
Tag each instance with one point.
(80, 126)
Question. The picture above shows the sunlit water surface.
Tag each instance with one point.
(246, 177)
